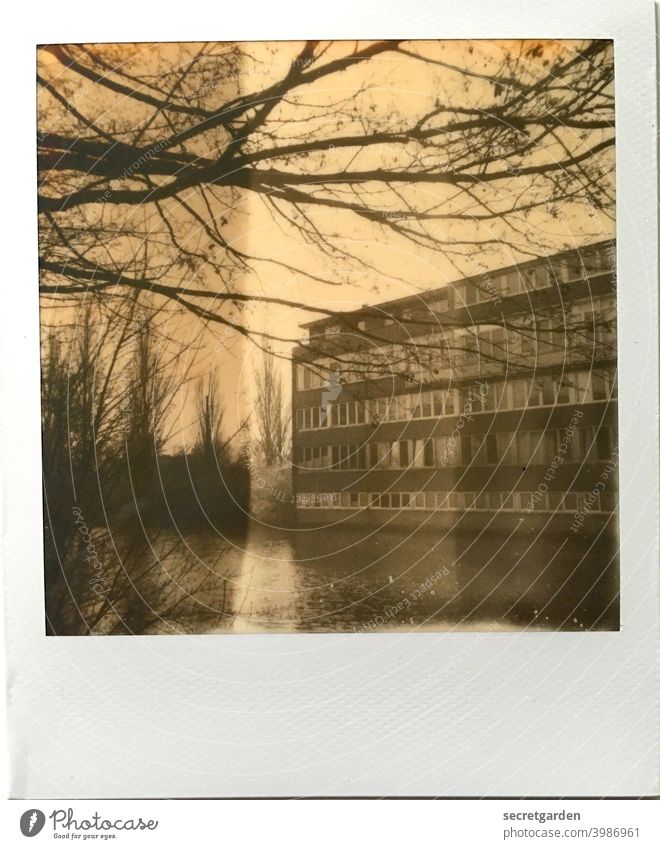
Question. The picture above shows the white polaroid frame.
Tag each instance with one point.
(419, 714)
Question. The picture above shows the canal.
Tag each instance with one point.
(369, 581)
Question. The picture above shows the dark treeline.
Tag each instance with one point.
(111, 490)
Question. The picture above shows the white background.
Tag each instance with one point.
(536, 714)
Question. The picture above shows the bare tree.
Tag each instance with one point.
(157, 145)
(151, 384)
(105, 394)
(210, 442)
(272, 414)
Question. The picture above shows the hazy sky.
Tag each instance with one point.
(393, 88)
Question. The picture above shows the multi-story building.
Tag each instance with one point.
(490, 400)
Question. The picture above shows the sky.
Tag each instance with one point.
(397, 90)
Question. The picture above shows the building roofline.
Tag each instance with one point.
(377, 309)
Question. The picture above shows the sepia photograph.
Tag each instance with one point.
(328, 337)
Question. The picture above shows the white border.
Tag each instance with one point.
(499, 714)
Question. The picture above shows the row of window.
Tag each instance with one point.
(516, 281)
(519, 394)
(589, 334)
(489, 287)
(555, 502)
(577, 445)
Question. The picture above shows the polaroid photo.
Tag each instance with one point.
(342, 395)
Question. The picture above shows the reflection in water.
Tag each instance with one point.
(356, 580)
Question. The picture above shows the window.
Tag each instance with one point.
(428, 452)
(506, 448)
(418, 501)
(471, 293)
(581, 383)
(455, 501)
(563, 390)
(491, 448)
(508, 501)
(598, 387)
(448, 450)
(528, 341)
(608, 502)
(548, 446)
(548, 390)
(384, 453)
(438, 402)
(440, 302)
(587, 502)
(535, 394)
(520, 392)
(586, 439)
(460, 296)
(466, 450)
(508, 283)
(604, 443)
(541, 502)
(545, 337)
(572, 269)
(488, 399)
(427, 405)
(535, 278)
(500, 393)
(612, 384)
(555, 500)
(352, 414)
(393, 411)
(524, 447)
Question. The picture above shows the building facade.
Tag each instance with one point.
(491, 400)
